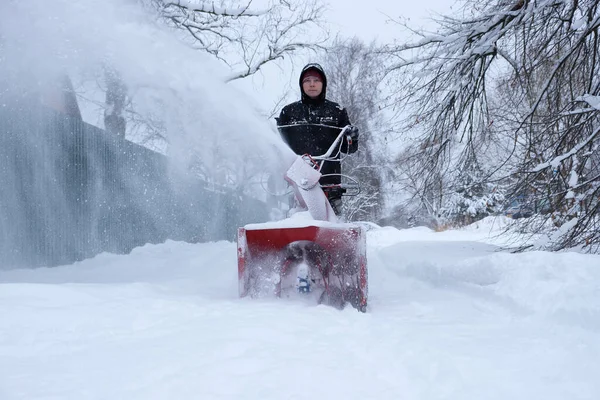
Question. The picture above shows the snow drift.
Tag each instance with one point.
(450, 317)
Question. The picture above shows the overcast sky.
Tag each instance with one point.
(368, 20)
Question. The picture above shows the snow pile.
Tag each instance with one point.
(488, 230)
(297, 220)
(537, 282)
(448, 318)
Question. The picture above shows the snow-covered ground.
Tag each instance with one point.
(450, 318)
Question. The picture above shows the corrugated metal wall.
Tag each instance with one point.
(69, 191)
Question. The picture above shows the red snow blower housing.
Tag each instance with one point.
(310, 255)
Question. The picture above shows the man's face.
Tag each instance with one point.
(312, 86)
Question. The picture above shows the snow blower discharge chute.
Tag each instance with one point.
(314, 257)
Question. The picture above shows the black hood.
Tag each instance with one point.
(319, 69)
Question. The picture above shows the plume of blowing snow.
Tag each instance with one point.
(182, 87)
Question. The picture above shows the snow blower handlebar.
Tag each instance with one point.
(354, 186)
(331, 153)
(304, 178)
(337, 143)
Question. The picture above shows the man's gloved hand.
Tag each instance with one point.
(352, 132)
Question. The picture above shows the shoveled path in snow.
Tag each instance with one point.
(450, 318)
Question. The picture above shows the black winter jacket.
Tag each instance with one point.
(310, 126)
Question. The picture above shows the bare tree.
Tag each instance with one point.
(239, 33)
(355, 72)
(242, 36)
(547, 52)
(116, 99)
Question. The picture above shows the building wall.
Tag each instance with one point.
(69, 191)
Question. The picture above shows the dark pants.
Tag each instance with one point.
(336, 204)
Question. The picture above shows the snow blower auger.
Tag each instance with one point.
(311, 255)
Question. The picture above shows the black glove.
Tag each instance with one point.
(352, 132)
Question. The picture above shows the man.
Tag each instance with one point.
(311, 125)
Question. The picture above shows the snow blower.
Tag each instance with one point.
(310, 255)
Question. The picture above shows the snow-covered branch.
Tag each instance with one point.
(216, 11)
(505, 87)
(556, 161)
(244, 38)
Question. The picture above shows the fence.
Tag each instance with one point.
(69, 191)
